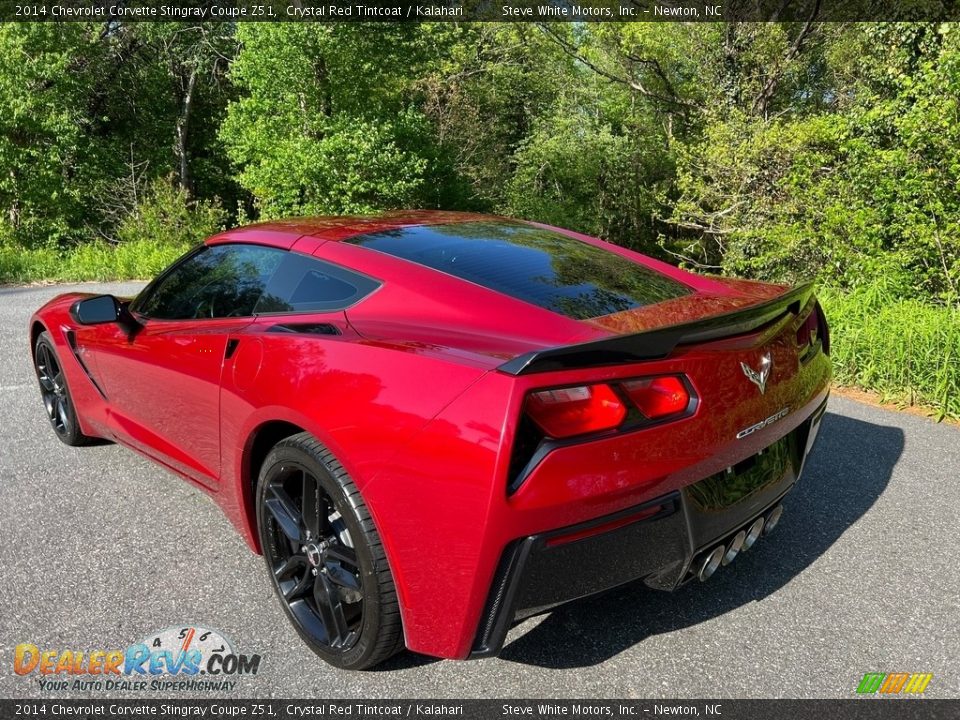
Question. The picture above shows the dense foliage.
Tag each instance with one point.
(776, 151)
(905, 350)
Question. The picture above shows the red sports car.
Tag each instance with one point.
(433, 424)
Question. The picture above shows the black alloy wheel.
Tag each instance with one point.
(55, 393)
(325, 557)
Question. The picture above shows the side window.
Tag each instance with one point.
(215, 282)
(306, 284)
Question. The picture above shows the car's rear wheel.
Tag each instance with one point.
(325, 557)
(55, 394)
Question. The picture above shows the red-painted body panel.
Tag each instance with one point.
(408, 398)
(414, 308)
(474, 517)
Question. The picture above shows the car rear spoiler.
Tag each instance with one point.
(659, 343)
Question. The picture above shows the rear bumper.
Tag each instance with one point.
(663, 541)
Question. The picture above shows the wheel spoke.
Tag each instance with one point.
(289, 566)
(316, 572)
(62, 414)
(285, 512)
(313, 506)
(341, 576)
(300, 589)
(43, 368)
(330, 609)
(53, 368)
(342, 553)
(50, 404)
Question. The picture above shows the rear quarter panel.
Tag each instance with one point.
(454, 519)
(363, 400)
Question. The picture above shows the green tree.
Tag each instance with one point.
(85, 105)
(326, 123)
(45, 71)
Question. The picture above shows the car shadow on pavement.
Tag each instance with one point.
(848, 470)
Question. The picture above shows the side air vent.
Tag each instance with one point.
(306, 329)
(75, 349)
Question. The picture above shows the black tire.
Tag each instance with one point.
(327, 564)
(55, 394)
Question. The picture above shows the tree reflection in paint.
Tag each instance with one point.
(537, 265)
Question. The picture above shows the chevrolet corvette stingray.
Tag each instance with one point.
(433, 425)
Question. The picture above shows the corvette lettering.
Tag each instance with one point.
(779, 415)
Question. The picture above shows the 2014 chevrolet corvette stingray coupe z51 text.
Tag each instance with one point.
(433, 425)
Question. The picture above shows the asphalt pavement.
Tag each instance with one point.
(99, 548)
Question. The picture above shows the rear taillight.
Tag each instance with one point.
(570, 411)
(807, 333)
(824, 329)
(658, 397)
(558, 414)
(814, 328)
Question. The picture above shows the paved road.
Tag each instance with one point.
(99, 547)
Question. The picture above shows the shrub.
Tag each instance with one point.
(166, 215)
(160, 229)
(904, 349)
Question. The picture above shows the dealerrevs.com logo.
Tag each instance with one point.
(178, 658)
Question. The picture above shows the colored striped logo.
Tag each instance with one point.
(894, 683)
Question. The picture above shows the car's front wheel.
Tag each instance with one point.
(55, 394)
(324, 555)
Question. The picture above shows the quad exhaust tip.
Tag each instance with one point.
(734, 548)
(772, 519)
(753, 534)
(711, 563)
(741, 542)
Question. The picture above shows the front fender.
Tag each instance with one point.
(54, 317)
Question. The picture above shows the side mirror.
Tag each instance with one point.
(97, 310)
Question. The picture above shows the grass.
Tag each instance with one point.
(907, 351)
(139, 260)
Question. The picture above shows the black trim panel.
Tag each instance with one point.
(522, 575)
(497, 613)
(655, 344)
(305, 328)
(75, 349)
(535, 575)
